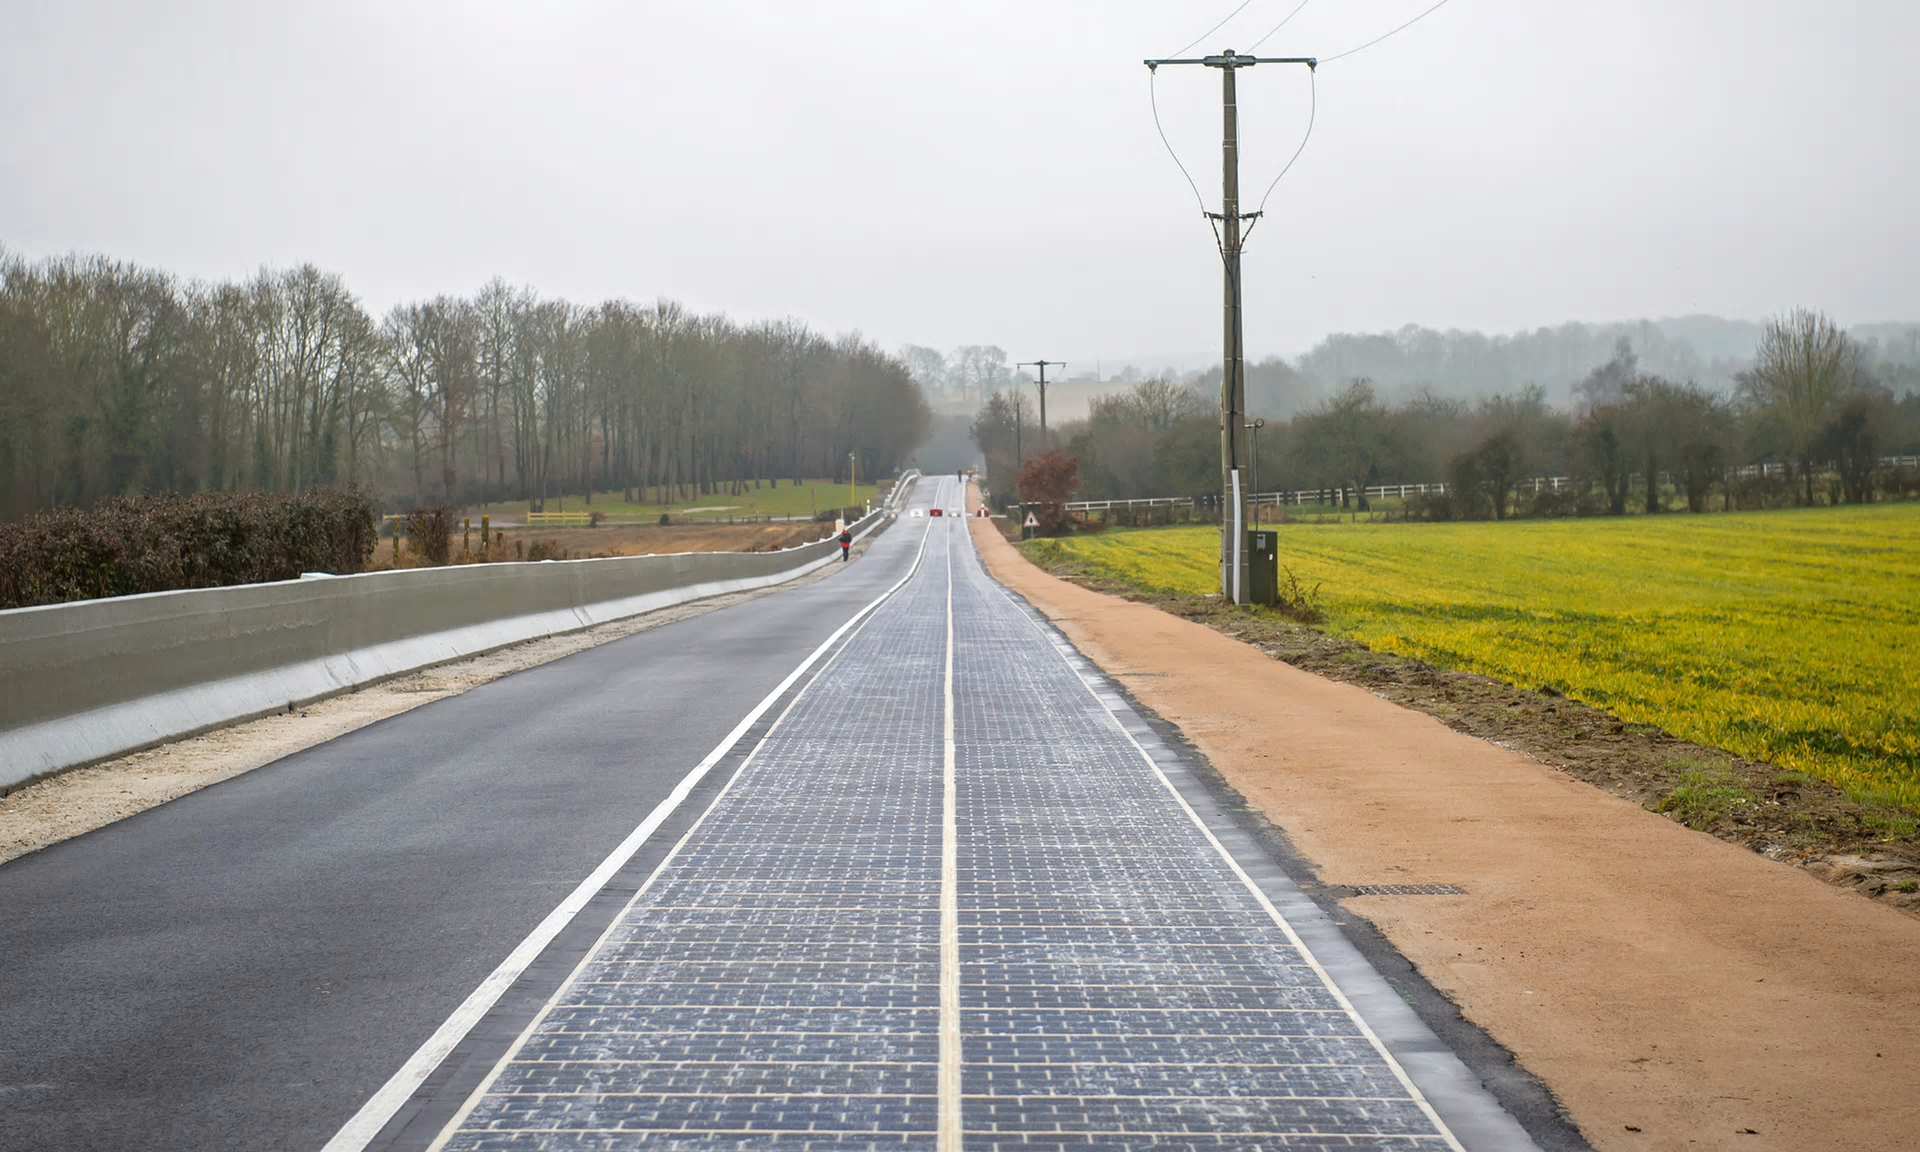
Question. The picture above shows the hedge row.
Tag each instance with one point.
(167, 542)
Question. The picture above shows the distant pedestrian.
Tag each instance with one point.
(846, 543)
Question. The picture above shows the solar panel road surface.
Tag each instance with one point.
(950, 901)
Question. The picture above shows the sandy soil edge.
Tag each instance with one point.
(1674, 991)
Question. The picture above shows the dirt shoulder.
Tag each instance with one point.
(71, 803)
(1673, 990)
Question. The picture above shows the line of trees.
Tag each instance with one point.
(970, 373)
(117, 379)
(1707, 349)
(1815, 407)
(1156, 438)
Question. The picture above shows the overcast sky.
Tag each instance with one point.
(987, 171)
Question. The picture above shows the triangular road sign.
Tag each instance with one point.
(1031, 522)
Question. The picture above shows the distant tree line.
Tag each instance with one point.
(1156, 438)
(1413, 360)
(968, 374)
(116, 379)
(1806, 422)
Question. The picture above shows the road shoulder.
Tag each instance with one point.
(1668, 987)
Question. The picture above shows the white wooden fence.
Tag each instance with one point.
(1333, 493)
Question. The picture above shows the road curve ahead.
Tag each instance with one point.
(950, 901)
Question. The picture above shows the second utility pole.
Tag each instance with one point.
(1043, 365)
(1233, 374)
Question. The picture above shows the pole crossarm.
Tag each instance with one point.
(1043, 365)
(1231, 59)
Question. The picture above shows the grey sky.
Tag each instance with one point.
(986, 171)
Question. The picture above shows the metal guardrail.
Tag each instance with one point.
(900, 489)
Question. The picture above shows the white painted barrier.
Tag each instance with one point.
(93, 679)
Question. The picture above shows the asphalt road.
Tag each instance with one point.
(244, 966)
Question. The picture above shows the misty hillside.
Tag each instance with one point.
(1707, 349)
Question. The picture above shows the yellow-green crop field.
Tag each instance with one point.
(1792, 637)
(782, 499)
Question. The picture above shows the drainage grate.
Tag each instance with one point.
(1407, 890)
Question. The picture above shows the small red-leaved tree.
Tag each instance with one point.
(1047, 482)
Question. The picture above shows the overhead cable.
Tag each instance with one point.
(1377, 39)
(1282, 24)
(1313, 109)
(1153, 98)
(1215, 28)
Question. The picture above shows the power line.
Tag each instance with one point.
(1313, 110)
(1215, 28)
(1377, 39)
(1313, 90)
(1272, 30)
(1154, 99)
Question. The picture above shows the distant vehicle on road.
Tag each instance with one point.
(936, 511)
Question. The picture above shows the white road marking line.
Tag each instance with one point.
(948, 1133)
(384, 1104)
(454, 1126)
(1313, 962)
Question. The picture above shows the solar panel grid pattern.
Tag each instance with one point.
(1121, 986)
(777, 985)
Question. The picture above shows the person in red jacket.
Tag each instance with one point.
(846, 543)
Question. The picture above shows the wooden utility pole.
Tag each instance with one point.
(1043, 365)
(1019, 418)
(1233, 393)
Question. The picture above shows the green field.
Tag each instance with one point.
(1792, 637)
(809, 497)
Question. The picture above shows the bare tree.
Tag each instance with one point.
(115, 378)
(1345, 437)
(1805, 369)
(926, 365)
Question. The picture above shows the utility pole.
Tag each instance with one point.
(1043, 365)
(1019, 418)
(1233, 382)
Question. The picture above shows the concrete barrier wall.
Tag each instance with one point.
(98, 678)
